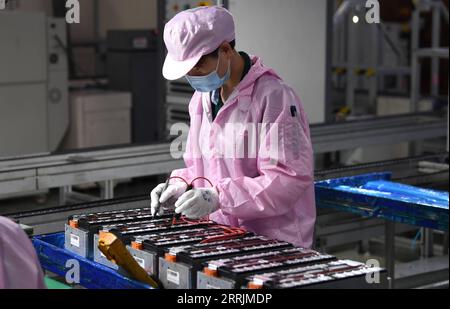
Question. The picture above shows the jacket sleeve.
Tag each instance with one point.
(19, 264)
(285, 174)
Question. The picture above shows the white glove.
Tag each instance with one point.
(198, 203)
(173, 191)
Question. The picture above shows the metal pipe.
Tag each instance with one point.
(390, 251)
(436, 37)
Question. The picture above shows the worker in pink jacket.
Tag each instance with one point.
(249, 135)
(19, 265)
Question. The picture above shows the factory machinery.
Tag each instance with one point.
(178, 253)
(338, 223)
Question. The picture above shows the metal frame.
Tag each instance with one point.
(329, 63)
(391, 225)
(376, 131)
(64, 171)
(435, 52)
(347, 53)
(338, 228)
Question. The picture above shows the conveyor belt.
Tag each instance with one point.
(401, 169)
(52, 220)
(404, 170)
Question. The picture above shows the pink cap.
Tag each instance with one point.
(192, 34)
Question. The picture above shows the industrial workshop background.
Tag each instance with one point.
(86, 119)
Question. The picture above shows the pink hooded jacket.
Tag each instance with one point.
(270, 197)
(19, 265)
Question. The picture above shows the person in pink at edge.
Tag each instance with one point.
(19, 265)
(269, 190)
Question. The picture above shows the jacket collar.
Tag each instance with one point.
(243, 89)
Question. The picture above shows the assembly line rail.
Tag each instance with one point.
(36, 173)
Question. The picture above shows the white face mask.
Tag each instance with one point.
(211, 81)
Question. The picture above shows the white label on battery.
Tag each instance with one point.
(75, 240)
(140, 261)
(173, 276)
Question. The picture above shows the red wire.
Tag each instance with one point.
(204, 178)
(184, 219)
(192, 182)
(180, 178)
(229, 232)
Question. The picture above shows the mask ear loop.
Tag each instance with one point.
(217, 67)
(218, 62)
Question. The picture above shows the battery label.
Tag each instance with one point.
(173, 276)
(140, 261)
(75, 240)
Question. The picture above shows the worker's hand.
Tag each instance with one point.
(174, 191)
(198, 203)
